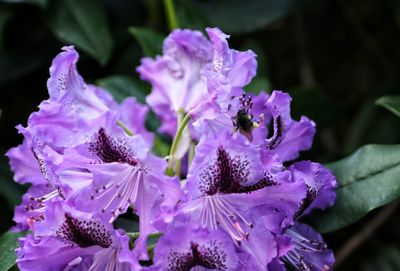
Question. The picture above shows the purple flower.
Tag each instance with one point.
(231, 185)
(75, 110)
(251, 115)
(124, 174)
(36, 163)
(72, 114)
(307, 249)
(68, 240)
(183, 248)
(191, 73)
(73, 107)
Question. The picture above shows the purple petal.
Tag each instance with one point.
(289, 137)
(182, 249)
(218, 156)
(309, 250)
(24, 165)
(67, 87)
(133, 115)
(177, 77)
(320, 182)
(73, 108)
(48, 253)
(31, 208)
(222, 58)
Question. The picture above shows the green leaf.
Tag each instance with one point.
(121, 86)
(150, 41)
(8, 244)
(391, 103)
(236, 16)
(84, 24)
(41, 3)
(368, 179)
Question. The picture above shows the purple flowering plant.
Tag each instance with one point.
(228, 196)
(230, 193)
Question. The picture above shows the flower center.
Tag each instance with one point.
(84, 233)
(110, 149)
(209, 255)
(228, 175)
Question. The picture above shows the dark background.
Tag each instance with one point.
(335, 57)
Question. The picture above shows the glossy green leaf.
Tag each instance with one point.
(391, 103)
(150, 41)
(121, 87)
(236, 16)
(84, 24)
(368, 179)
(8, 244)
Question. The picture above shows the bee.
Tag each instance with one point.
(243, 121)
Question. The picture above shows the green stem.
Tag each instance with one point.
(171, 14)
(125, 128)
(191, 154)
(178, 168)
(177, 139)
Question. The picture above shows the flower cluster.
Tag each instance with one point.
(225, 198)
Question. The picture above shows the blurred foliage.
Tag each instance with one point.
(368, 179)
(69, 21)
(8, 243)
(391, 103)
(334, 57)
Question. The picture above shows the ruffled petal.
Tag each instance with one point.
(289, 137)
(177, 77)
(48, 253)
(320, 182)
(24, 165)
(183, 248)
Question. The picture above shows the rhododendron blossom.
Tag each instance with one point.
(238, 204)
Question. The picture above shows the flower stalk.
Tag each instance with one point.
(175, 143)
(171, 14)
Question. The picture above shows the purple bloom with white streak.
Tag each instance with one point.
(124, 174)
(192, 73)
(231, 184)
(73, 108)
(69, 240)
